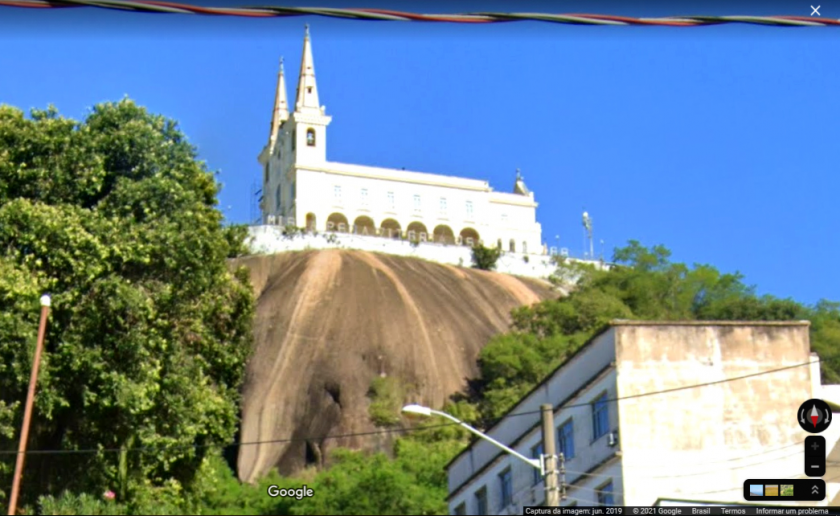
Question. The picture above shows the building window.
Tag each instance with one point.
(337, 194)
(469, 210)
(417, 203)
(265, 174)
(391, 201)
(294, 139)
(481, 501)
(310, 137)
(443, 205)
(605, 494)
(512, 246)
(536, 452)
(278, 199)
(600, 417)
(461, 509)
(566, 440)
(506, 484)
(364, 197)
(293, 193)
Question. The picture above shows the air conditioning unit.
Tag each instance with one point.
(612, 438)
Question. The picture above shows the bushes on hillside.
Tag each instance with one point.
(485, 258)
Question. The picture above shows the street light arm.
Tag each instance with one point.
(536, 463)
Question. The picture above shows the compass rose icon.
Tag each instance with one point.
(814, 416)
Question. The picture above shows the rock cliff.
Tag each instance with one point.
(329, 322)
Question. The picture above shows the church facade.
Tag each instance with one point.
(301, 187)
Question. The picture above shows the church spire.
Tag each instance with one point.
(281, 106)
(307, 90)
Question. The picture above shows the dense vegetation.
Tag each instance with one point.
(149, 330)
(149, 334)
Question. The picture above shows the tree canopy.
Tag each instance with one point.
(149, 329)
(643, 284)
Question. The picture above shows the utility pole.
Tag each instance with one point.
(30, 398)
(552, 489)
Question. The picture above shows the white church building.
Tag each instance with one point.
(302, 188)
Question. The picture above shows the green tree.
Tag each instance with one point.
(149, 329)
(643, 284)
(413, 482)
(485, 258)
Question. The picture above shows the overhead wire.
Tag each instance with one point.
(383, 431)
(270, 11)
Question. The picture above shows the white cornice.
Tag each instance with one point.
(400, 176)
(512, 200)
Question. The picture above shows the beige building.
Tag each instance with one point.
(300, 185)
(647, 412)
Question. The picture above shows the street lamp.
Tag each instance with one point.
(419, 410)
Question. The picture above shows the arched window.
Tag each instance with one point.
(512, 246)
(310, 137)
(277, 197)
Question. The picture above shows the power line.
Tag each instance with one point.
(667, 391)
(161, 7)
(201, 446)
(384, 431)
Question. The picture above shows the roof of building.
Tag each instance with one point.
(630, 322)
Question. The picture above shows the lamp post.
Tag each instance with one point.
(30, 398)
(549, 474)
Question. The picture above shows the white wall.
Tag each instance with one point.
(702, 443)
(495, 215)
(270, 240)
(316, 194)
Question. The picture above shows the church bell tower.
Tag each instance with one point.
(308, 123)
(295, 140)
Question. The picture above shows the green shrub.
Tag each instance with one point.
(386, 398)
(72, 504)
(485, 258)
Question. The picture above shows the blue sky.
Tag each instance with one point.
(718, 142)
